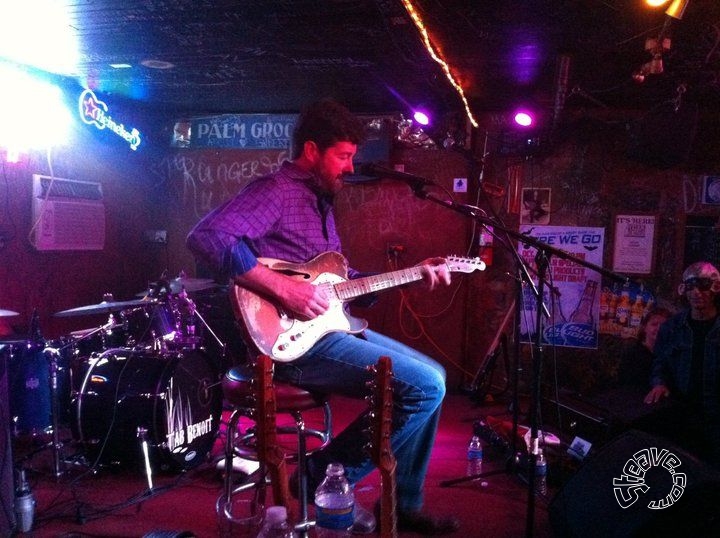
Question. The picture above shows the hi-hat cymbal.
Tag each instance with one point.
(7, 313)
(104, 307)
(176, 285)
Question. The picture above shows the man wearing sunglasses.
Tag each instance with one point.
(687, 362)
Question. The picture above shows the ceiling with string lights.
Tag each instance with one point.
(216, 56)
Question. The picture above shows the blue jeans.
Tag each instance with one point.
(337, 364)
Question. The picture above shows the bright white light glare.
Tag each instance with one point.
(32, 112)
(421, 117)
(37, 33)
(523, 119)
(656, 3)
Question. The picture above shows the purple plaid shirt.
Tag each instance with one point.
(283, 215)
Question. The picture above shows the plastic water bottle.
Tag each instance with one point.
(24, 502)
(276, 524)
(334, 504)
(541, 473)
(474, 456)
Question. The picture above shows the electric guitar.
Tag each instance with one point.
(380, 449)
(276, 333)
(269, 453)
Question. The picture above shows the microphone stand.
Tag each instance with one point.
(542, 259)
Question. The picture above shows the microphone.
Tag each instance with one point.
(416, 182)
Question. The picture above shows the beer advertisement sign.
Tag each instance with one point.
(571, 291)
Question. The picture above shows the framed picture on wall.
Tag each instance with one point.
(634, 244)
(535, 207)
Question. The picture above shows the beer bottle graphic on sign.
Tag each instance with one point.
(636, 312)
(583, 312)
(605, 295)
(556, 309)
(622, 312)
(610, 327)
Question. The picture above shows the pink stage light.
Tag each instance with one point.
(523, 118)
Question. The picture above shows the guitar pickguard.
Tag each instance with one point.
(301, 335)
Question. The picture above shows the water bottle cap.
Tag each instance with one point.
(335, 469)
(275, 514)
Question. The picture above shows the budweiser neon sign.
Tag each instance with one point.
(93, 111)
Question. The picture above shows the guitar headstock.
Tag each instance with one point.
(381, 414)
(465, 265)
(268, 448)
(381, 406)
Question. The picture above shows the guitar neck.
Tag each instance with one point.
(356, 287)
(269, 451)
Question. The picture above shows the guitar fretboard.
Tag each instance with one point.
(351, 289)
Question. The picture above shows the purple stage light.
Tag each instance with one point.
(421, 117)
(523, 118)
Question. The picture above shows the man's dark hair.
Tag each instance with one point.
(326, 122)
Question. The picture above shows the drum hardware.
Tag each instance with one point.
(107, 306)
(194, 313)
(142, 435)
(103, 331)
(52, 355)
(179, 284)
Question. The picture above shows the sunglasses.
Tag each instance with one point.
(702, 284)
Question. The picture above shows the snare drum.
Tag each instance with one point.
(175, 397)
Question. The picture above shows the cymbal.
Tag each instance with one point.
(7, 313)
(176, 285)
(104, 307)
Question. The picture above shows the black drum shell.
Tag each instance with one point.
(175, 397)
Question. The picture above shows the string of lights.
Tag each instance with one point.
(436, 56)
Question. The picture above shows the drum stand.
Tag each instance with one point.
(142, 435)
(56, 444)
(195, 313)
(53, 354)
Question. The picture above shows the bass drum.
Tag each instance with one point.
(175, 398)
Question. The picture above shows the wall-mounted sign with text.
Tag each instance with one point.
(571, 293)
(245, 131)
(95, 112)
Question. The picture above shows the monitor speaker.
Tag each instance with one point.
(634, 486)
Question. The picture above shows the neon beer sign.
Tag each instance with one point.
(93, 111)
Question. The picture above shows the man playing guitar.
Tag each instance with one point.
(288, 215)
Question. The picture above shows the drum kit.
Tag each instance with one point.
(143, 386)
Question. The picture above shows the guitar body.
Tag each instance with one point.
(278, 334)
(275, 332)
